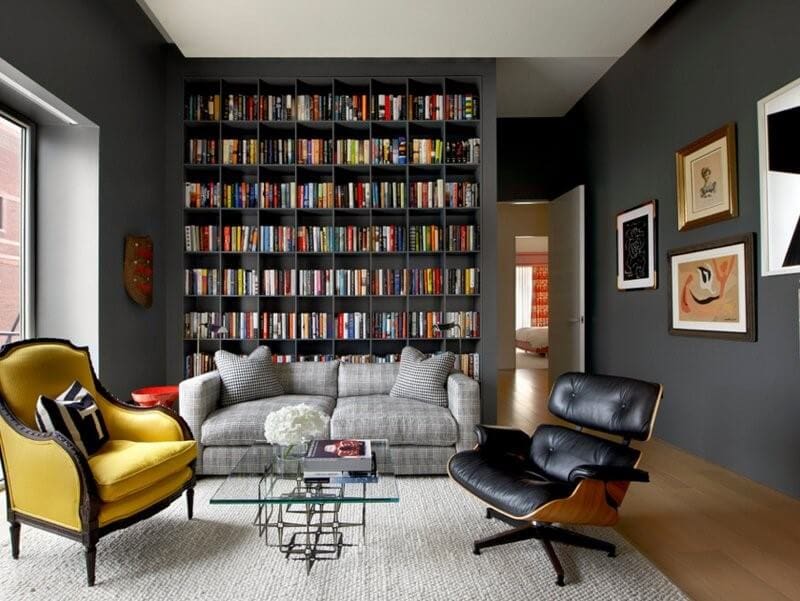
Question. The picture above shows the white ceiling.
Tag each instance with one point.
(578, 38)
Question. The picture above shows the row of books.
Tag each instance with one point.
(326, 282)
(240, 151)
(196, 364)
(351, 107)
(318, 107)
(388, 325)
(389, 151)
(278, 151)
(352, 195)
(424, 238)
(352, 152)
(463, 151)
(202, 151)
(326, 238)
(240, 107)
(461, 106)
(463, 237)
(314, 151)
(426, 151)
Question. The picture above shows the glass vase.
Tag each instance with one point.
(289, 459)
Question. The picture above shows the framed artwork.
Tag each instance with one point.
(706, 172)
(712, 289)
(636, 247)
(779, 171)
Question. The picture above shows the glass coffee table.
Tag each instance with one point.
(306, 521)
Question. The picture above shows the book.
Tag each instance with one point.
(340, 477)
(343, 455)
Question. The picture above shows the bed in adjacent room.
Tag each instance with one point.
(532, 340)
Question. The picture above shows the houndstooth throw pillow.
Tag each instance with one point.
(423, 378)
(247, 378)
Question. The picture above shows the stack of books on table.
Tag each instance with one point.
(339, 462)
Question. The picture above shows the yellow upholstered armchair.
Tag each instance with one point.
(145, 465)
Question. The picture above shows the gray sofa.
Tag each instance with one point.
(356, 396)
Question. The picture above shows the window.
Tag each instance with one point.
(16, 210)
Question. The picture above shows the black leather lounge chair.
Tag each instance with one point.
(562, 475)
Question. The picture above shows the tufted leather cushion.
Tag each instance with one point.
(507, 485)
(611, 404)
(555, 451)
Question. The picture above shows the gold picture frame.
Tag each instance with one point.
(706, 179)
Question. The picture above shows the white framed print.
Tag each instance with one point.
(779, 178)
(636, 247)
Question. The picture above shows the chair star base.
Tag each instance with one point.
(547, 534)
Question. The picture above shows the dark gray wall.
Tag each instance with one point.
(705, 63)
(105, 59)
(179, 68)
(535, 158)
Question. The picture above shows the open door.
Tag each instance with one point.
(567, 335)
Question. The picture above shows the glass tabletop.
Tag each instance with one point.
(261, 478)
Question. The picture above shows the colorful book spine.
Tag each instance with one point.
(277, 151)
(277, 239)
(424, 238)
(202, 151)
(352, 152)
(390, 282)
(314, 238)
(200, 282)
(425, 281)
(352, 282)
(352, 326)
(426, 151)
(198, 324)
(470, 322)
(314, 107)
(240, 282)
(282, 358)
(389, 151)
(462, 194)
(464, 281)
(427, 195)
(278, 195)
(240, 107)
(463, 238)
(427, 106)
(276, 107)
(462, 106)
(278, 326)
(315, 282)
(240, 151)
(203, 195)
(469, 365)
(422, 324)
(241, 325)
(316, 358)
(389, 107)
(201, 238)
(278, 282)
(355, 358)
(388, 358)
(196, 364)
(243, 195)
(202, 107)
(240, 238)
(390, 325)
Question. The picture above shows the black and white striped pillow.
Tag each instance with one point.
(75, 414)
(423, 378)
(247, 378)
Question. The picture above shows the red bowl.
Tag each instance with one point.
(155, 395)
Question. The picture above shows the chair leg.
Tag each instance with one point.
(551, 554)
(90, 552)
(190, 502)
(568, 537)
(509, 536)
(14, 528)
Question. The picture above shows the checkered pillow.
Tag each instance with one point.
(423, 378)
(247, 378)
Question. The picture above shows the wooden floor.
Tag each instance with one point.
(716, 535)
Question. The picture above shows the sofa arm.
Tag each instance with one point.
(464, 402)
(197, 398)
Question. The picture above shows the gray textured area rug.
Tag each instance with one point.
(417, 549)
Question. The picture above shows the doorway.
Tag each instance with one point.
(531, 341)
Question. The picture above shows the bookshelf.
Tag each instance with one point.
(330, 217)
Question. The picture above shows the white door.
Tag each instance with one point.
(567, 287)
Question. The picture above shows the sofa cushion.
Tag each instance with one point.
(400, 421)
(243, 423)
(422, 377)
(246, 378)
(309, 377)
(356, 379)
(123, 467)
